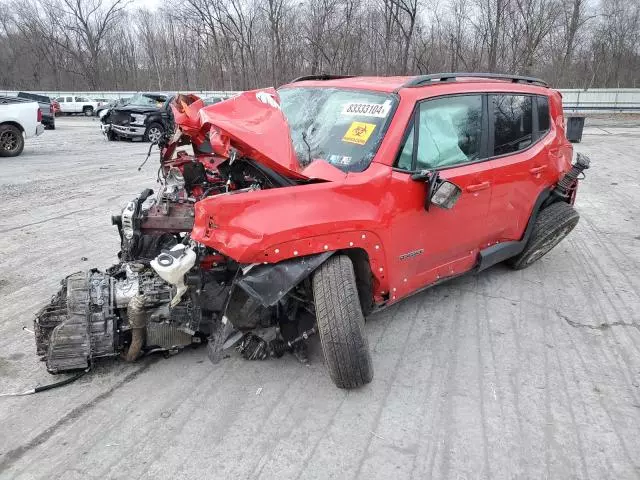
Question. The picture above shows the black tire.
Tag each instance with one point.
(87, 111)
(111, 136)
(553, 224)
(11, 141)
(51, 126)
(341, 323)
(153, 130)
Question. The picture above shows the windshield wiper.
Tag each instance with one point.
(304, 139)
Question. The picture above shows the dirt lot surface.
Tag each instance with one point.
(529, 374)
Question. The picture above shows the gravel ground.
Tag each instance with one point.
(529, 374)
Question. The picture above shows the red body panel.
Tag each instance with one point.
(379, 210)
(251, 122)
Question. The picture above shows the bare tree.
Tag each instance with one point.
(405, 13)
(241, 44)
(84, 26)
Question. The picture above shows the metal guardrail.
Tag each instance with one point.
(601, 100)
(574, 100)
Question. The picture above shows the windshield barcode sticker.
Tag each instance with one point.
(367, 109)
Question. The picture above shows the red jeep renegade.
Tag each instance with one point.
(283, 214)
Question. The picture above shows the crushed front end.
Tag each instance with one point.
(168, 291)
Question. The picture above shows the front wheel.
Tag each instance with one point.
(11, 141)
(88, 111)
(341, 323)
(553, 224)
(154, 133)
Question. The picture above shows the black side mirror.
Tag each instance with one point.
(421, 175)
(432, 179)
(446, 194)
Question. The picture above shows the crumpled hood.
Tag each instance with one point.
(252, 123)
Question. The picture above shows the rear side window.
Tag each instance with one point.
(513, 123)
(68, 99)
(543, 115)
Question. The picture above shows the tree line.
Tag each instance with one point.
(243, 44)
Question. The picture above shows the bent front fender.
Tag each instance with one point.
(269, 283)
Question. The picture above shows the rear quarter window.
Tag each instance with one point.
(543, 115)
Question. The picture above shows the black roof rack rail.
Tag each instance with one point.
(422, 80)
(321, 76)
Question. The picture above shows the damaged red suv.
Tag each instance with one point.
(284, 214)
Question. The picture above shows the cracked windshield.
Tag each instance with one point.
(340, 126)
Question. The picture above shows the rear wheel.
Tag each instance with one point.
(553, 224)
(153, 133)
(11, 141)
(88, 111)
(341, 323)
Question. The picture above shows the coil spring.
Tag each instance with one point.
(568, 181)
(278, 347)
(252, 347)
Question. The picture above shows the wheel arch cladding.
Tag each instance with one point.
(271, 282)
(364, 277)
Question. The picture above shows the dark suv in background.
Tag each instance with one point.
(46, 108)
(146, 116)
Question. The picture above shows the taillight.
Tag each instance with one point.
(39, 115)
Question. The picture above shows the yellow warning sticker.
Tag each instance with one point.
(359, 133)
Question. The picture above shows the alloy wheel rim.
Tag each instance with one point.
(8, 141)
(154, 135)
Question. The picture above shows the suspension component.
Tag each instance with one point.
(253, 347)
(567, 184)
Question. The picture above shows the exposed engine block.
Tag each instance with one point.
(78, 324)
(89, 317)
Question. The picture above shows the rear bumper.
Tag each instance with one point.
(39, 129)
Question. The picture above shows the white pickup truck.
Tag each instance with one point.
(19, 119)
(73, 104)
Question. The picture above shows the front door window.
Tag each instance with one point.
(450, 131)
